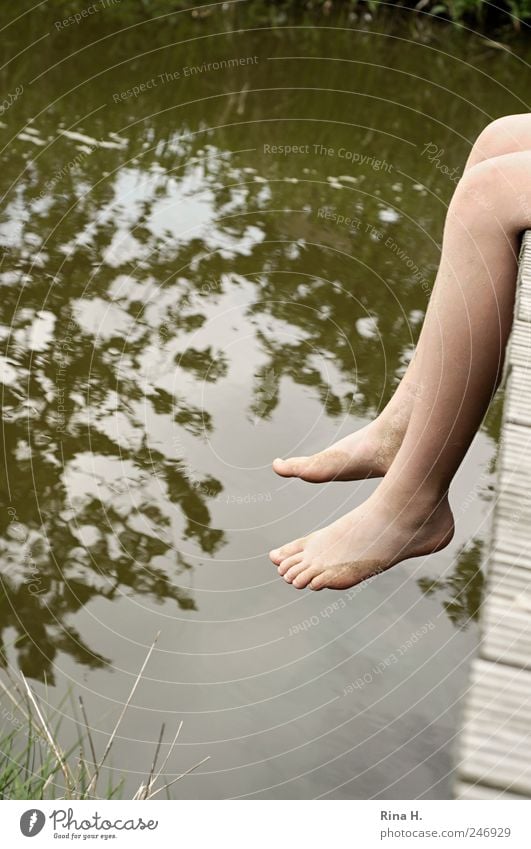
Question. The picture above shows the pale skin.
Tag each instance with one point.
(420, 439)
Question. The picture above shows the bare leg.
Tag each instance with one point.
(464, 336)
(510, 134)
(369, 452)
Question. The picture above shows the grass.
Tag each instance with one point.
(34, 766)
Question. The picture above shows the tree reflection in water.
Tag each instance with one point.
(462, 590)
(124, 237)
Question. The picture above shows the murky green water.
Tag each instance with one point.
(181, 301)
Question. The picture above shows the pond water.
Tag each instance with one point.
(218, 239)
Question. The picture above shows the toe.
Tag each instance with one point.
(306, 575)
(288, 562)
(320, 581)
(289, 468)
(295, 569)
(280, 554)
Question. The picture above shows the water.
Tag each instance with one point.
(181, 302)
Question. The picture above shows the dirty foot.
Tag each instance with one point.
(366, 453)
(364, 542)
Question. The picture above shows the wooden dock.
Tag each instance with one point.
(494, 748)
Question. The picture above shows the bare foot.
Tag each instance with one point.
(366, 453)
(368, 540)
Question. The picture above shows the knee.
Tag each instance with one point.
(494, 193)
(474, 197)
(503, 135)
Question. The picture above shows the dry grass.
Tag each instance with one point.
(39, 768)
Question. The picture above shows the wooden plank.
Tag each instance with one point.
(507, 636)
(464, 790)
(506, 614)
(495, 743)
(518, 399)
(494, 752)
(523, 294)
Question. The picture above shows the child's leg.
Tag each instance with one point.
(510, 134)
(369, 451)
(464, 335)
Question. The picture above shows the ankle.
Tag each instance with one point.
(416, 502)
(391, 425)
(388, 431)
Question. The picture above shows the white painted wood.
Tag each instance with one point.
(494, 751)
(495, 743)
(464, 790)
(523, 299)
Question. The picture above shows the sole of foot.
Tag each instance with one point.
(368, 540)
